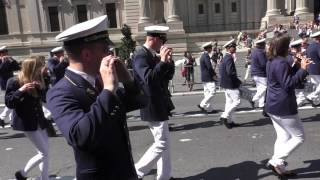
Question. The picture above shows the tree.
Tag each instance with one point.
(127, 43)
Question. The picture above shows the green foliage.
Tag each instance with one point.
(127, 43)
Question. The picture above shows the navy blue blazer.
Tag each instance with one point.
(94, 124)
(27, 112)
(6, 71)
(56, 69)
(259, 63)
(207, 72)
(281, 98)
(152, 76)
(228, 73)
(313, 52)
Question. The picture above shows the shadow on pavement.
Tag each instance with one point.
(184, 127)
(312, 171)
(316, 117)
(17, 135)
(247, 170)
(258, 122)
(138, 128)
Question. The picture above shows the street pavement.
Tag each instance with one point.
(202, 149)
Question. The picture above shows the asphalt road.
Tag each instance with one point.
(201, 147)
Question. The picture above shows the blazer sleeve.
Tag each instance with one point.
(133, 97)
(230, 68)
(82, 129)
(13, 97)
(4, 66)
(286, 78)
(170, 71)
(145, 72)
(57, 67)
(208, 65)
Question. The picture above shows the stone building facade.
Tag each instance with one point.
(29, 26)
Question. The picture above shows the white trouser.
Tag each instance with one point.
(158, 153)
(232, 102)
(290, 135)
(209, 89)
(301, 97)
(39, 139)
(46, 112)
(261, 83)
(5, 113)
(247, 73)
(315, 79)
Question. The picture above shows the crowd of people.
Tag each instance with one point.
(88, 92)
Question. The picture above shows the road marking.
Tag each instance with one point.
(185, 140)
(9, 149)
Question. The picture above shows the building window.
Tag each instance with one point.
(3, 19)
(233, 7)
(217, 8)
(82, 13)
(54, 18)
(200, 9)
(112, 14)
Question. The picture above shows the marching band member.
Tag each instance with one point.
(281, 103)
(258, 71)
(208, 78)
(230, 82)
(313, 52)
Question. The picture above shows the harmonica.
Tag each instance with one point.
(300, 57)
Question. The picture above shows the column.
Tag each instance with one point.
(291, 6)
(301, 7)
(172, 9)
(144, 11)
(272, 9)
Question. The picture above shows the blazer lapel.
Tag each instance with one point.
(77, 80)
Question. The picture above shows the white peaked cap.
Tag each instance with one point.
(229, 43)
(156, 29)
(207, 44)
(84, 29)
(260, 41)
(57, 49)
(3, 48)
(296, 43)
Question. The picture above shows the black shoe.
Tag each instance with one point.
(265, 114)
(2, 123)
(19, 176)
(201, 108)
(233, 124)
(281, 175)
(225, 122)
(251, 103)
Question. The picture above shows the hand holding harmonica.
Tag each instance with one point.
(165, 54)
(304, 61)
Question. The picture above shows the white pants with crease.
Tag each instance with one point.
(158, 153)
(232, 102)
(209, 89)
(315, 79)
(6, 113)
(290, 134)
(261, 83)
(39, 139)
